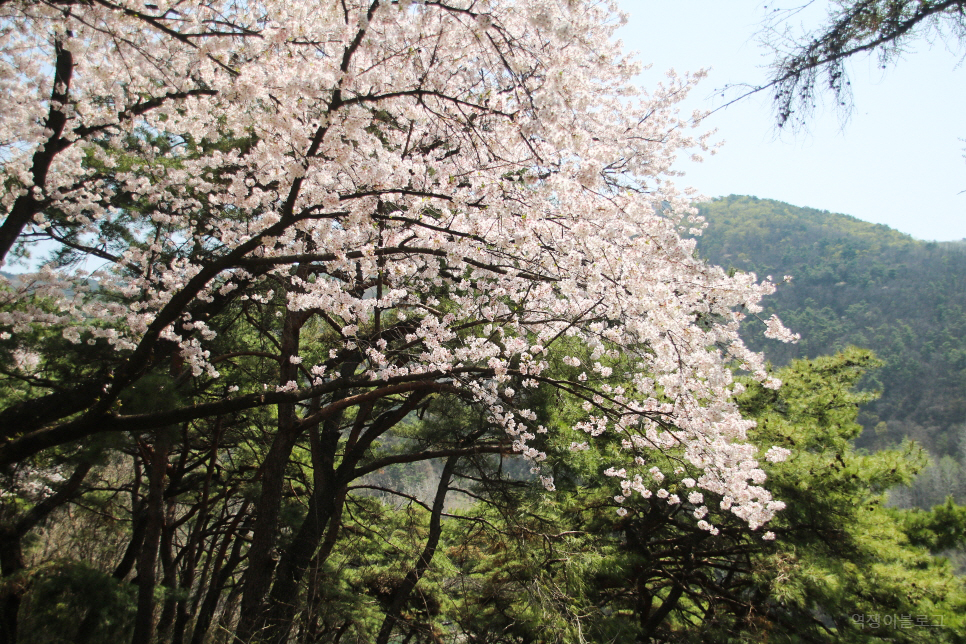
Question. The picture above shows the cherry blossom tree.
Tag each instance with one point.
(363, 205)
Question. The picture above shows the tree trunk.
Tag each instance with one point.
(221, 576)
(11, 563)
(401, 596)
(322, 506)
(261, 555)
(316, 596)
(147, 561)
(196, 545)
(653, 621)
(169, 576)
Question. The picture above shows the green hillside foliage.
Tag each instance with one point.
(466, 547)
(844, 568)
(856, 283)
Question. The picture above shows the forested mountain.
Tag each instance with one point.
(856, 283)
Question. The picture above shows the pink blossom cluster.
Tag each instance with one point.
(452, 188)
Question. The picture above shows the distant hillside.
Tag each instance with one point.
(863, 284)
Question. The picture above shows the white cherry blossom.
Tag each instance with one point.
(451, 188)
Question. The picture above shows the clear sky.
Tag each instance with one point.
(898, 161)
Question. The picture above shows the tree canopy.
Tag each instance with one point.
(333, 293)
(279, 230)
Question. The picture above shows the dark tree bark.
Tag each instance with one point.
(653, 621)
(26, 206)
(322, 506)
(261, 556)
(167, 552)
(194, 547)
(30, 414)
(11, 564)
(147, 560)
(405, 589)
(223, 573)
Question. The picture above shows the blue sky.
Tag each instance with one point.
(898, 160)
